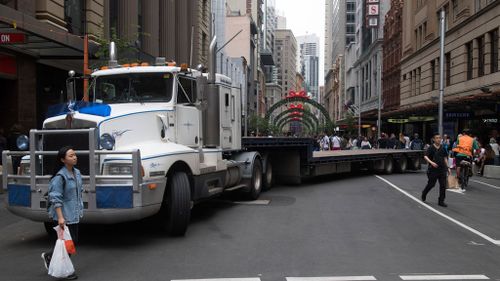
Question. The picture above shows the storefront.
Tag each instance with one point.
(34, 61)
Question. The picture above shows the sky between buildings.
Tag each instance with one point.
(306, 17)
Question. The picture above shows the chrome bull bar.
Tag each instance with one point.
(92, 152)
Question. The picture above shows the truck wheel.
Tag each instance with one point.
(255, 182)
(177, 204)
(402, 164)
(416, 165)
(388, 165)
(268, 176)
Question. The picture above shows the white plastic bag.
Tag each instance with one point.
(60, 263)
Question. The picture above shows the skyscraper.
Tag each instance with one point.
(309, 62)
(340, 28)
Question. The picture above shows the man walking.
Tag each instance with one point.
(437, 160)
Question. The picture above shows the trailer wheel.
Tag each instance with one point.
(402, 164)
(388, 165)
(268, 176)
(255, 182)
(416, 163)
(176, 209)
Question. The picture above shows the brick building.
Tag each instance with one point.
(472, 77)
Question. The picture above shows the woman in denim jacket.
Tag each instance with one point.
(65, 197)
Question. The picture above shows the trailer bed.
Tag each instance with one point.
(294, 159)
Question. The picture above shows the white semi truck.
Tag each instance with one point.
(156, 140)
(153, 140)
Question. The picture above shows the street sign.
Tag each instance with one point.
(12, 38)
(398, 121)
(373, 10)
(373, 22)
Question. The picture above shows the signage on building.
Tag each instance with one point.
(490, 120)
(8, 65)
(372, 13)
(12, 38)
(421, 118)
(458, 115)
(398, 121)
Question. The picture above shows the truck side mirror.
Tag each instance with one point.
(201, 84)
(70, 89)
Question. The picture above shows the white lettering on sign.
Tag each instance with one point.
(492, 120)
(5, 38)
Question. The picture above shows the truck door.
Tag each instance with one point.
(188, 116)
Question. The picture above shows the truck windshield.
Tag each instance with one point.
(136, 87)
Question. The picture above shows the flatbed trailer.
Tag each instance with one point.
(294, 159)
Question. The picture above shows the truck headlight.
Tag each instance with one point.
(23, 142)
(107, 141)
(117, 169)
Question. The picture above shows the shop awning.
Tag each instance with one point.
(42, 41)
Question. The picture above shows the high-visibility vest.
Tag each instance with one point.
(465, 145)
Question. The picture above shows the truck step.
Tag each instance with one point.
(236, 187)
(215, 190)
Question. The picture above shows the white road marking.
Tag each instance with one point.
(487, 184)
(444, 277)
(254, 202)
(221, 279)
(482, 235)
(333, 278)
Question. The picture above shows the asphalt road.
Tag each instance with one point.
(358, 226)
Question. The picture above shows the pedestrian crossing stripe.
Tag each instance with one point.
(333, 278)
(444, 277)
(221, 279)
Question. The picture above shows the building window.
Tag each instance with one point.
(448, 68)
(351, 7)
(204, 39)
(469, 54)
(113, 18)
(480, 56)
(351, 18)
(74, 16)
(433, 74)
(455, 7)
(494, 50)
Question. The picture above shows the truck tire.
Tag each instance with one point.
(388, 165)
(268, 176)
(402, 164)
(255, 182)
(416, 163)
(176, 209)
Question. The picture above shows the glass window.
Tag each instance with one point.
(186, 90)
(74, 16)
(480, 54)
(494, 50)
(128, 88)
(468, 49)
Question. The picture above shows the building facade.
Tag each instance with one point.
(471, 71)
(286, 60)
(44, 41)
(340, 28)
(369, 58)
(308, 55)
(392, 52)
(52, 44)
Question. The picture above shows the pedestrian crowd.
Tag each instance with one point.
(339, 141)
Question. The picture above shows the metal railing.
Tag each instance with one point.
(93, 176)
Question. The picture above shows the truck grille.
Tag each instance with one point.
(56, 142)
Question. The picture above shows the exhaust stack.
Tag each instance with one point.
(212, 60)
(211, 114)
(113, 62)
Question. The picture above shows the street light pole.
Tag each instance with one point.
(441, 72)
(379, 89)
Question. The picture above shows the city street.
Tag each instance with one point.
(353, 227)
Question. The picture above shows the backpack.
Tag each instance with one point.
(46, 194)
(417, 144)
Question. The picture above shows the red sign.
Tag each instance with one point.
(8, 65)
(12, 38)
